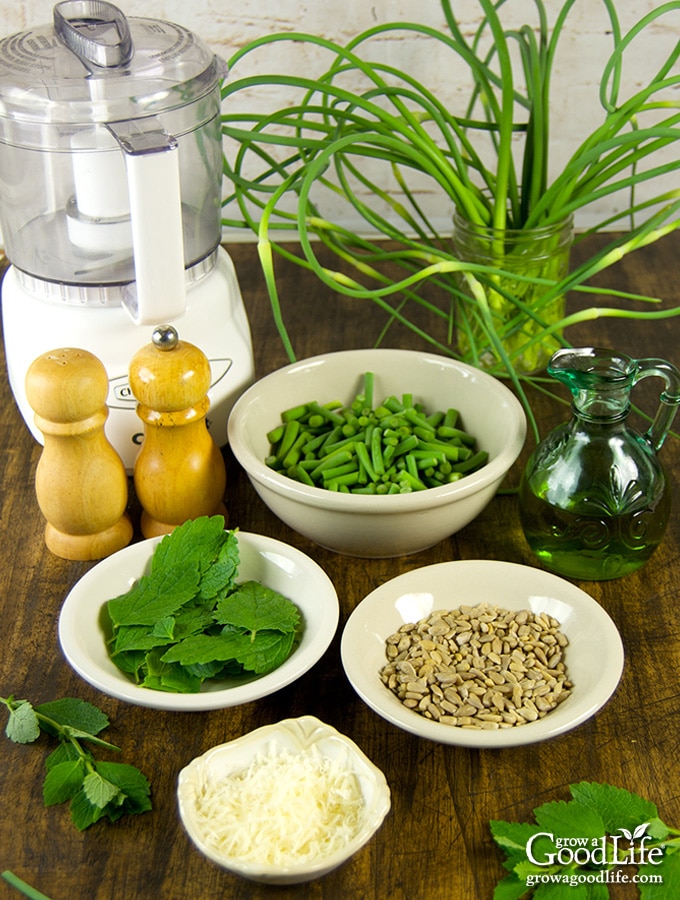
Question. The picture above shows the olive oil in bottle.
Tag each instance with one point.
(594, 498)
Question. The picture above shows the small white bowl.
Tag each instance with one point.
(594, 656)
(293, 736)
(386, 525)
(271, 562)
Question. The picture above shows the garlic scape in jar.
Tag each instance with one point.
(371, 137)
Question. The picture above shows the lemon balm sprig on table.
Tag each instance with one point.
(372, 135)
(95, 789)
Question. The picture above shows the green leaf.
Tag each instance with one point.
(22, 726)
(256, 607)
(195, 541)
(221, 576)
(657, 829)
(84, 813)
(74, 713)
(164, 628)
(136, 637)
(98, 790)
(512, 835)
(201, 649)
(661, 881)
(616, 807)
(207, 670)
(258, 653)
(510, 888)
(63, 781)
(163, 676)
(193, 619)
(570, 819)
(131, 783)
(132, 663)
(558, 891)
(155, 596)
(266, 652)
(65, 752)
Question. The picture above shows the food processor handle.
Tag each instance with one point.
(152, 164)
(101, 49)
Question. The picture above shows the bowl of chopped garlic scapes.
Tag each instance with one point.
(284, 804)
(377, 453)
(482, 653)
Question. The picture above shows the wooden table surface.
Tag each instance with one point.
(436, 841)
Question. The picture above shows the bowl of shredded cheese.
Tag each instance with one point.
(283, 804)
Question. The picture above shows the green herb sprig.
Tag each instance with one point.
(188, 620)
(94, 788)
(604, 831)
(371, 135)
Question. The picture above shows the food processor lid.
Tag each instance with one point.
(94, 65)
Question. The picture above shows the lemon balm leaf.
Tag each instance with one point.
(617, 807)
(512, 836)
(266, 652)
(658, 882)
(63, 781)
(83, 813)
(221, 575)
(98, 790)
(22, 725)
(510, 888)
(201, 649)
(259, 653)
(195, 541)
(570, 819)
(132, 785)
(75, 713)
(155, 596)
(137, 637)
(255, 607)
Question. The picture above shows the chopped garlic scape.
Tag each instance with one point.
(284, 809)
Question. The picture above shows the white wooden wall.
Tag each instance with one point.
(228, 25)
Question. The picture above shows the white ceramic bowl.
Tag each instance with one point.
(262, 559)
(386, 525)
(292, 736)
(594, 656)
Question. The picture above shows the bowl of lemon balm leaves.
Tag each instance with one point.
(284, 804)
(377, 453)
(202, 618)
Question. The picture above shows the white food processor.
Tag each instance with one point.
(110, 204)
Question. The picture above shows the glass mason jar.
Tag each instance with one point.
(519, 310)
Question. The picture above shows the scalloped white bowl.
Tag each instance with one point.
(264, 559)
(594, 657)
(294, 736)
(387, 525)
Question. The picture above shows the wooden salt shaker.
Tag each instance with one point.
(179, 473)
(80, 480)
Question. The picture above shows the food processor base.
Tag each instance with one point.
(215, 321)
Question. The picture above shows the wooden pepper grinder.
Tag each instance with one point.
(80, 480)
(179, 473)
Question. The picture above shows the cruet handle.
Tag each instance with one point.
(669, 399)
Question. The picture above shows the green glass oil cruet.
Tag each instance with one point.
(594, 498)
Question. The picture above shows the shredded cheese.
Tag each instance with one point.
(284, 809)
